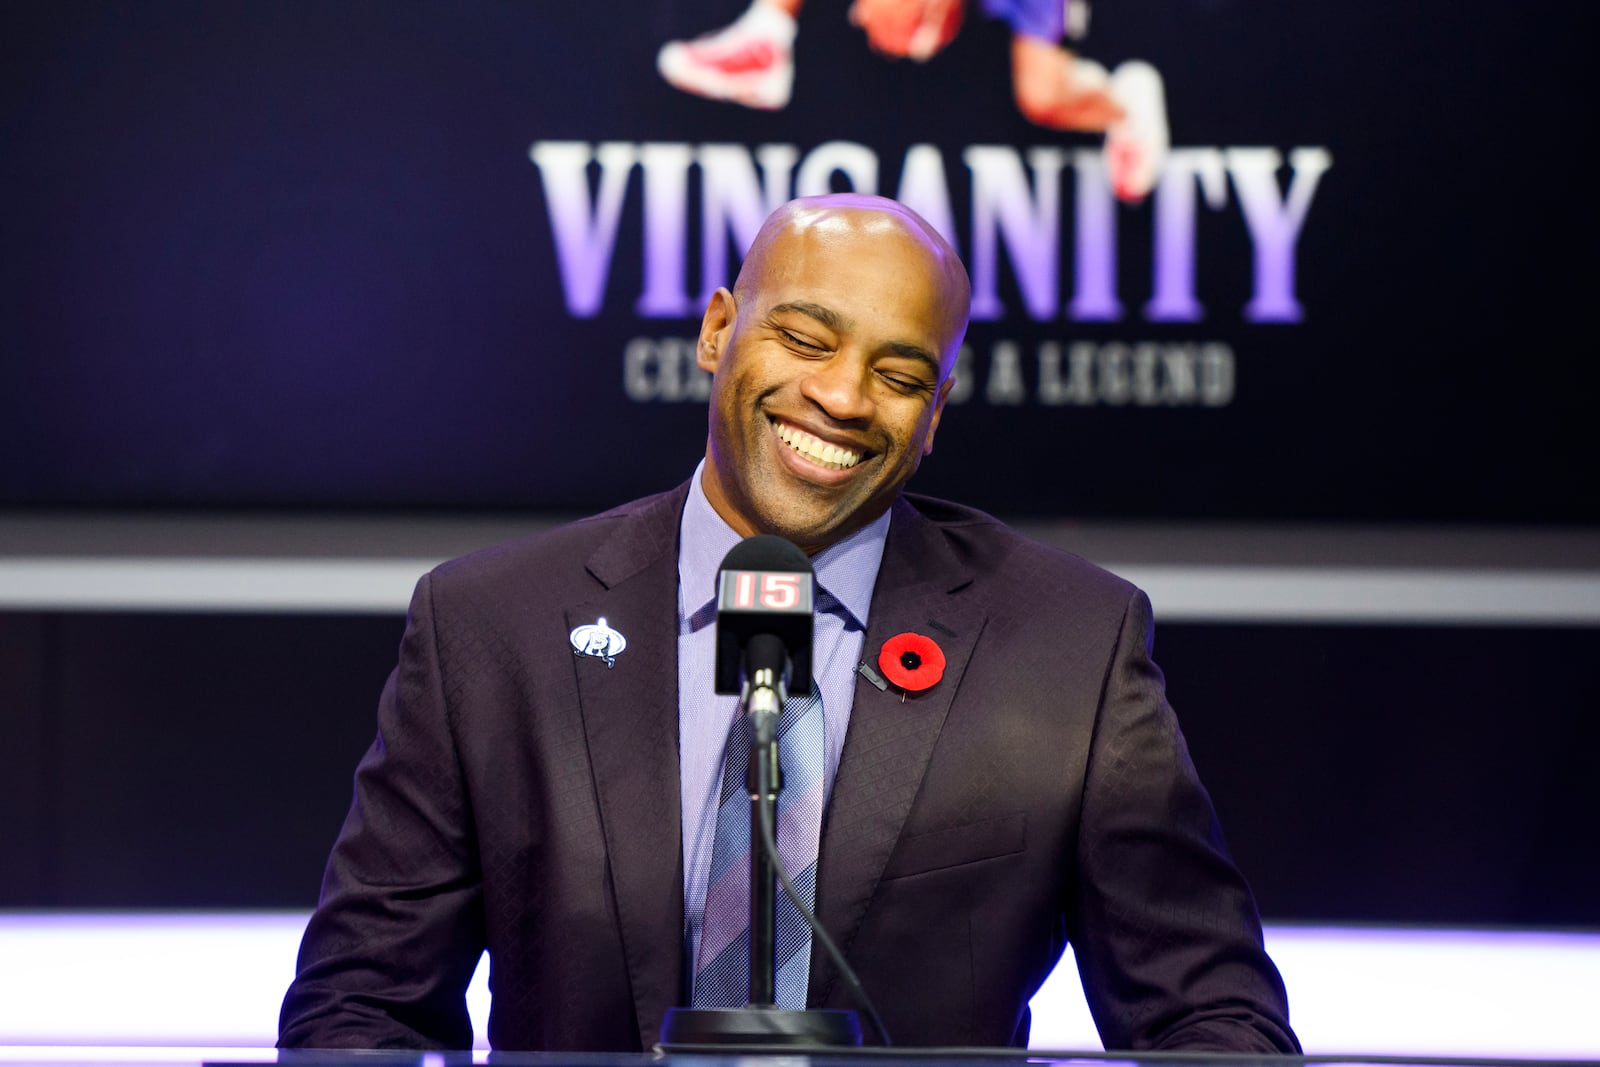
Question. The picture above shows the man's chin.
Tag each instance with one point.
(814, 530)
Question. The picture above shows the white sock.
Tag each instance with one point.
(769, 20)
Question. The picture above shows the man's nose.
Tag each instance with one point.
(840, 387)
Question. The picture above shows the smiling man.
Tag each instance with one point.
(831, 361)
(541, 788)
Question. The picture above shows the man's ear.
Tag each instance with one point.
(716, 327)
(938, 411)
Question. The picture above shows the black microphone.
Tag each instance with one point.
(764, 614)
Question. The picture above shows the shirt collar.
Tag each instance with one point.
(846, 570)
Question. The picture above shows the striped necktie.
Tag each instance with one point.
(722, 965)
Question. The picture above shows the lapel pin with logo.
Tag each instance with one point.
(598, 640)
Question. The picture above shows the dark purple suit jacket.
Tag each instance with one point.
(523, 798)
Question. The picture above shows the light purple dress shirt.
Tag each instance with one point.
(846, 572)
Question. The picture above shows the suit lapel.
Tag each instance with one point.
(890, 740)
(630, 718)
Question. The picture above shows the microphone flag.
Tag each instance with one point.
(765, 586)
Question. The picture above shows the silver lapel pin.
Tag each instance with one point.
(598, 640)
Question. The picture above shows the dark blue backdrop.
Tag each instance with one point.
(297, 255)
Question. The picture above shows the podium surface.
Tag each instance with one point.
(196, 1056)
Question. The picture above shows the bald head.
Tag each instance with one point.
(845, 219)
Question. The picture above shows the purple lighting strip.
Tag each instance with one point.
(147, 980)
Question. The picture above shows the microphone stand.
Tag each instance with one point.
(761, 1021)
(764, 780)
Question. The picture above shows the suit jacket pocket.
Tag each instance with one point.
(955, 846)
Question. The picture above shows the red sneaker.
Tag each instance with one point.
(748, 62)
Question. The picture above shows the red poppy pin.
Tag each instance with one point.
(912, 662)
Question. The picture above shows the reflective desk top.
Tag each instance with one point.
(201, 1056)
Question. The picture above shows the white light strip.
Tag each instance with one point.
(1352, 595)
(1405, 992)
(134, 1055)
(1368, 595)
(154, 978)
(215, 980)
(156, 583)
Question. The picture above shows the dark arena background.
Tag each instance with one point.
(300, 298)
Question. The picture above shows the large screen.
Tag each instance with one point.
(398, 254)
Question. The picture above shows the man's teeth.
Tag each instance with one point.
(816, 449)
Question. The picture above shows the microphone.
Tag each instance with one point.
(764, 616)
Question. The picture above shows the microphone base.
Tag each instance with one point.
(700, 1029)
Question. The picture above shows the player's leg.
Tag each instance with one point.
(1054, 87)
